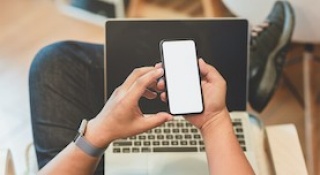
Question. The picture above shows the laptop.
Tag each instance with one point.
(175, 147)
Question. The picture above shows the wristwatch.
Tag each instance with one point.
(84, 144)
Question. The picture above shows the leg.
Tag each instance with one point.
(66, 85)
(268, 48)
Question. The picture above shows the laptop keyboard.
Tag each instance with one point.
(174, 136)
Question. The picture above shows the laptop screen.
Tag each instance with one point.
(222, 43)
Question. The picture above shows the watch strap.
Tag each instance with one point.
(84, 144)
(88, 148)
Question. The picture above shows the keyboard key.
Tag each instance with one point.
(137, 143)
(239, 130)
(165, 142)
(133, 138)
(237, 120)
(243, 148)
(179, 124)
(152, 137)
(188, 125)
(179, 137)
(170, 125)
(122, 143)
(174, 143)
(175, 130)
(166, 130)
(188, 136)
(156, 143)
(183, 142)
(193, 142)
(157, 130)
(145, 150)
(169, 137)
(202, 149)
(146, 143)
(175, 149)
(135, 150)
(116, 150)
(184, 130)
(126, 150)
(142, 137)
(240, 136)
(237, 124)
(193, 130)
(160, 137)
(197, 136)
(242, 142)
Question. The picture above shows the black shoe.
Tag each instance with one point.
(267, 54)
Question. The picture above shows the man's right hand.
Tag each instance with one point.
(214, 93)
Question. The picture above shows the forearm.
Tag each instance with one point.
(224, 154)
(72, 160)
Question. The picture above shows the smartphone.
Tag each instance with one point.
(182, 76)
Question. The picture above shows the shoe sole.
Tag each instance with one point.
(270, 78)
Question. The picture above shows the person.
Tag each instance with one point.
(66, 85)
(121, 117)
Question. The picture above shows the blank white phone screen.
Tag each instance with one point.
(182, 76)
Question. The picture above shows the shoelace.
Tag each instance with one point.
(255, 33)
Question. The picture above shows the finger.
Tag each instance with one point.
(135, 74)
(142, 83)
(208, 71)
(152, 121)
(158, 65)
(153, 86)
(161, 85)
(254, 34)
(257, 28)
(163, 97)
(149, 94)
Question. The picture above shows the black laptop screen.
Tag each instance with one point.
(221, 42)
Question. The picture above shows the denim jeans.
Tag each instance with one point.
(66, 85)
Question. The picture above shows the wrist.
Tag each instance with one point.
(95, 135)
(220, 121)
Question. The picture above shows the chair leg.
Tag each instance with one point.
(311, 120)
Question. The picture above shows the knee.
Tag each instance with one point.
(49, 56)
(52, 60)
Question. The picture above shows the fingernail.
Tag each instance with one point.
(159, 70)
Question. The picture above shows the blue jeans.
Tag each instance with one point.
(66, 86)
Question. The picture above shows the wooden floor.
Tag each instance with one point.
(28, 25)
(25, 27)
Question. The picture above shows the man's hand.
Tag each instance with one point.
(214, 93)
(121, 117)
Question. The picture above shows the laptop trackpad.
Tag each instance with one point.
(126, 164)
(177, 164)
